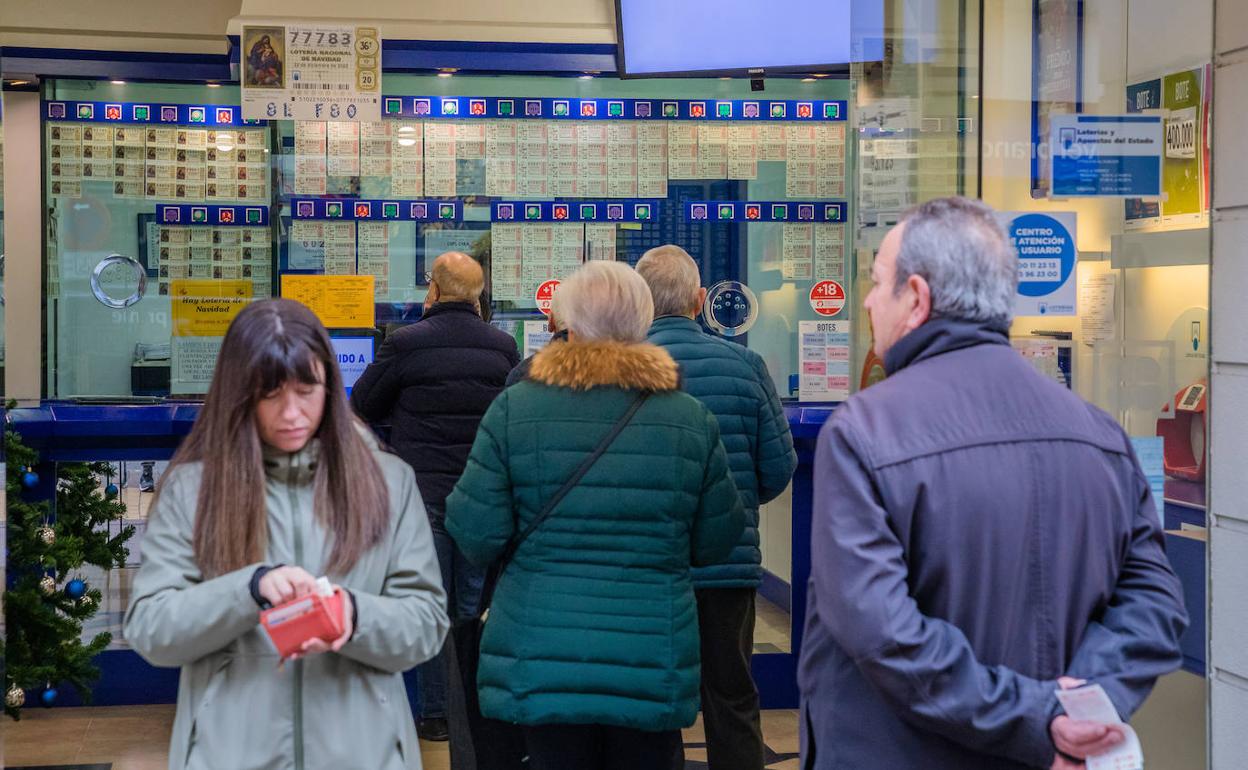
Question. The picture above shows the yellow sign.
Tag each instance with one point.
(340, 301)
(205, 308)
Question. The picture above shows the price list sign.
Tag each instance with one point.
(311, 72)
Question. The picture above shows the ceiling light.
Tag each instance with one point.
(407, 141)
(444, 74)
(213, 85)
(808, 80)
(118, 82)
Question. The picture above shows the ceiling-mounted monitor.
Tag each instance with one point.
(668, 38)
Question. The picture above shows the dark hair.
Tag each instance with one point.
(270, 343)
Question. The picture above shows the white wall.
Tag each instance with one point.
(1228, 491)
(201, 26)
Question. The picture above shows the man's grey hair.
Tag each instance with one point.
(673, 278)
(606, 301)
(457, 285)
(960, 248)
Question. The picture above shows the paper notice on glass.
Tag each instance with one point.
(536, 336)
(743, 152)
(307, 246)
(797, 252)
(1096, 307)
(192, 361)
(538, 245)
(343, 149)
(506, 259)
(339, 248)
(830, 252)
(1091, 704)
(373, 254)
(470, 140)
(622, 142)
(600, 242)
(824, 360)
(772, 142)
(567, 249)
(302, 71)
(310, 166)
(682, 151)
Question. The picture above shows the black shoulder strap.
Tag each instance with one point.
(514, 544)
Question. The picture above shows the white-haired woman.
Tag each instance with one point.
(591, 644)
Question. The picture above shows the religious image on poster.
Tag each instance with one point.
(310, 71)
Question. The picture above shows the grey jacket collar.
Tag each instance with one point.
(942, 335)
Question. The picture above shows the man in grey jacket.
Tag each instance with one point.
(979, 533)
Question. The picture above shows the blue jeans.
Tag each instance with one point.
(463, 583)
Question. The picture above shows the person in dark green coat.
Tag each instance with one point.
(734, 383)
(591, 643)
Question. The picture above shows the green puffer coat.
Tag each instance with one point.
(594, 622)
(733, 382)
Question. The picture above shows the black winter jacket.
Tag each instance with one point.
(432, 381)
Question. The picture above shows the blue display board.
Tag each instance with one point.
(731, 212)
(212, 215)
(712, 110)
(357, 209)
(148, 113)
(621, 210)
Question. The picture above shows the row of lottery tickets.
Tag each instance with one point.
(218, 253)
(161, 163)
(812, 252)
(523, 257)
(545, 159)
(345, 248)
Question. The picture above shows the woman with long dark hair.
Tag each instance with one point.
(276, 484)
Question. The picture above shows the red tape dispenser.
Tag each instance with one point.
(311, 616)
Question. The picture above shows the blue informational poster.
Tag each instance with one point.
(1047, 254)
(1106, 155)
(354, 356)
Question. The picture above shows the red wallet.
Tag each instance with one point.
(311, 616)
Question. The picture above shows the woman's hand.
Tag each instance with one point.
(285, 583)
(315, 646)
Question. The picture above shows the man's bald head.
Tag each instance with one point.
(459, 277)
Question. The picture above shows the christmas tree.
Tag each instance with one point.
(47, 602)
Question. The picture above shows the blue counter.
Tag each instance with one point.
(63, 432)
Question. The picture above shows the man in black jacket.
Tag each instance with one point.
(432, 381)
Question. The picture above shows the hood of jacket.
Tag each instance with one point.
(584, 365)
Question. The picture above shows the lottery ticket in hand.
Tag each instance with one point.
(1091, 704)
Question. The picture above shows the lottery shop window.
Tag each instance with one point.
(549, 172)
(151, 192)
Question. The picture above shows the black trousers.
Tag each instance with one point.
(600, 747)
(734, 733)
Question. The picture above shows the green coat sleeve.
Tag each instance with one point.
(776, 460)
(479, 511)
(720, 519)
(175, 616)
(406, 623)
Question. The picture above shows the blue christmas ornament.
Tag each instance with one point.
(75, 589)
(111, 490)
(30, 479)
(48, 697)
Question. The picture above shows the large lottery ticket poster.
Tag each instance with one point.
(311, 71)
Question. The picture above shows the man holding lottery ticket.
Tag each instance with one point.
(982, 538)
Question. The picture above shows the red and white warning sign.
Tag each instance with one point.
(545, 293)
(827, 298)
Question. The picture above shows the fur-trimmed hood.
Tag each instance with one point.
(585, 365)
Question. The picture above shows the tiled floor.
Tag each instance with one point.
(137, 738)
